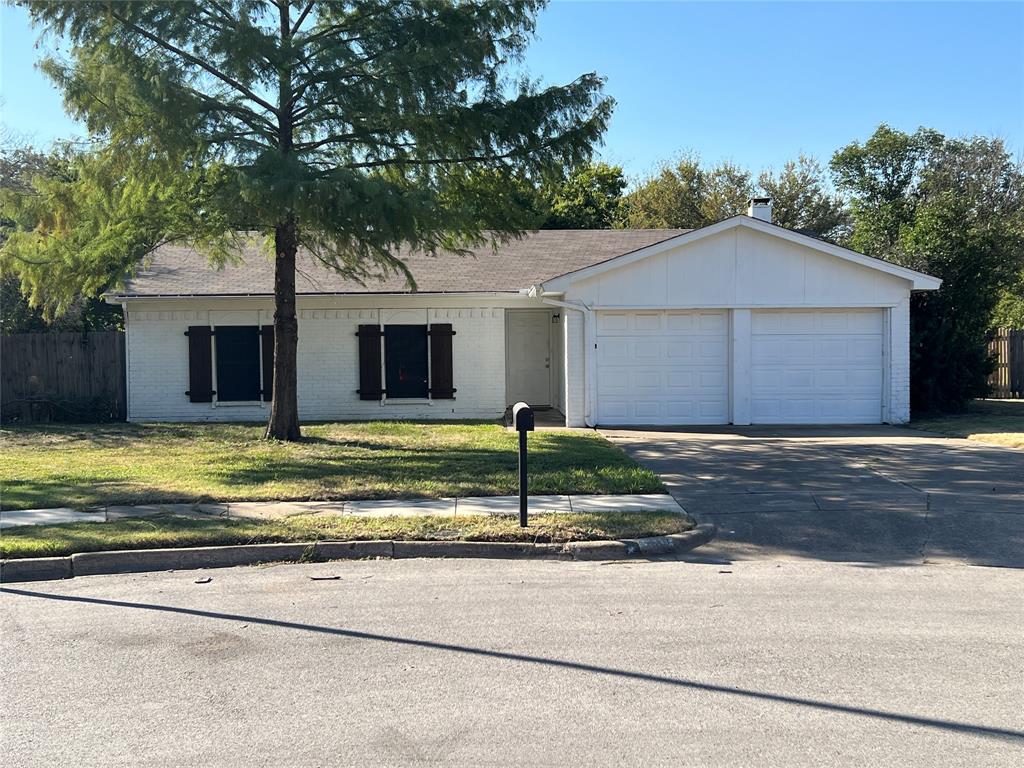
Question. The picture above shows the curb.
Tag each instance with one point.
(187, 558)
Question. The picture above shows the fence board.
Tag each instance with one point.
(63, 376)
(1007, 380)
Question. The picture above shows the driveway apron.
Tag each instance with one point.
(882, 495)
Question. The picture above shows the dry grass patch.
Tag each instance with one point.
(1000, 422)
(171, 531)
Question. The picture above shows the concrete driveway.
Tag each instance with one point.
(875, 494)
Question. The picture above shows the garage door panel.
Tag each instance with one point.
(647, 350)
(642, 322)
(662, 368)
(816, 367)
(678, 322)
(679, 350)
(713, 322)
(612, 321)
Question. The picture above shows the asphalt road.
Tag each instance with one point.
(480, 663)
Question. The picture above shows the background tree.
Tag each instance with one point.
(1009, 311)
(19, 165)
(951, 208)
(345, 128)
(802, 200)
(687, 195)
(726, 192)
(587, 198)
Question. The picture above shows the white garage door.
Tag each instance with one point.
(662, 367)
(820, 367)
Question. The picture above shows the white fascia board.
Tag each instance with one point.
(918, 280)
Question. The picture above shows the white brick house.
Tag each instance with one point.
(740, 322)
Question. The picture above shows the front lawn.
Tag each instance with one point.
(94, 465)
(171, 531)
(990, 421)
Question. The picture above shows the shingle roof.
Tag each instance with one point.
(534, 258)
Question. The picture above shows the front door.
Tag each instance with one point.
(528, 356)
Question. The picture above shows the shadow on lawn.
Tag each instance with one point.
(225, 462)
(382, 470)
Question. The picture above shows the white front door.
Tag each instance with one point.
(528, 356)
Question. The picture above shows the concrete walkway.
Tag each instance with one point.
(269, 510)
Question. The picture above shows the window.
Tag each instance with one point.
(405, 361)
(237, 357)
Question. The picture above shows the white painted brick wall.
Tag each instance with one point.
(899, 362)
(573, 368)
(328, 366)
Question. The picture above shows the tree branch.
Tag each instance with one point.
(302, 16)
(448, 160)
(197, 61)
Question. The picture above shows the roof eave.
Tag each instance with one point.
(120, 298)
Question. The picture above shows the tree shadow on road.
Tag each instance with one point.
(726, 690)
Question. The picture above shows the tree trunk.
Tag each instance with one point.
(284, 410)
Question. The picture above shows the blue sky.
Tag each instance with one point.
(754, 83)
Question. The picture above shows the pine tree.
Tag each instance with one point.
(349, 129)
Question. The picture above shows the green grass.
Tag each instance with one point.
(93, 465)
(991, 421)
(171, 531)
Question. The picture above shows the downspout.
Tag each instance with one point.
(589, 335)
(127, 366)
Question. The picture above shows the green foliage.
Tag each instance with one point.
(687, 195)
(953, 208)
(1009, 311)
(20, 167)
(373, 124)
(802, 200)
(588, 198)
(350, 128)
(881, 176)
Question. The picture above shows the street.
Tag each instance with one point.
(486, 662)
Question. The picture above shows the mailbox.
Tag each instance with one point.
(522, 417)
(522, 422)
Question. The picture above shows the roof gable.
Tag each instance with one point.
(918, 280)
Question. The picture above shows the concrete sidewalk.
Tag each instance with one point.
(269, 510)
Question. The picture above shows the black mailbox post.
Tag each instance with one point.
(522, 421)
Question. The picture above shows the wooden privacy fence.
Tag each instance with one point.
(1007, 380)
(62, 376)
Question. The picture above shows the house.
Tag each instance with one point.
(739, 322)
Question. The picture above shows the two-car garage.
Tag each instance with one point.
(740, 322)
(805, 366)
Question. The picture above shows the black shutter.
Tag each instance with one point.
(267, 346)
(370, 385)
(200, 364)
(442, 383)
